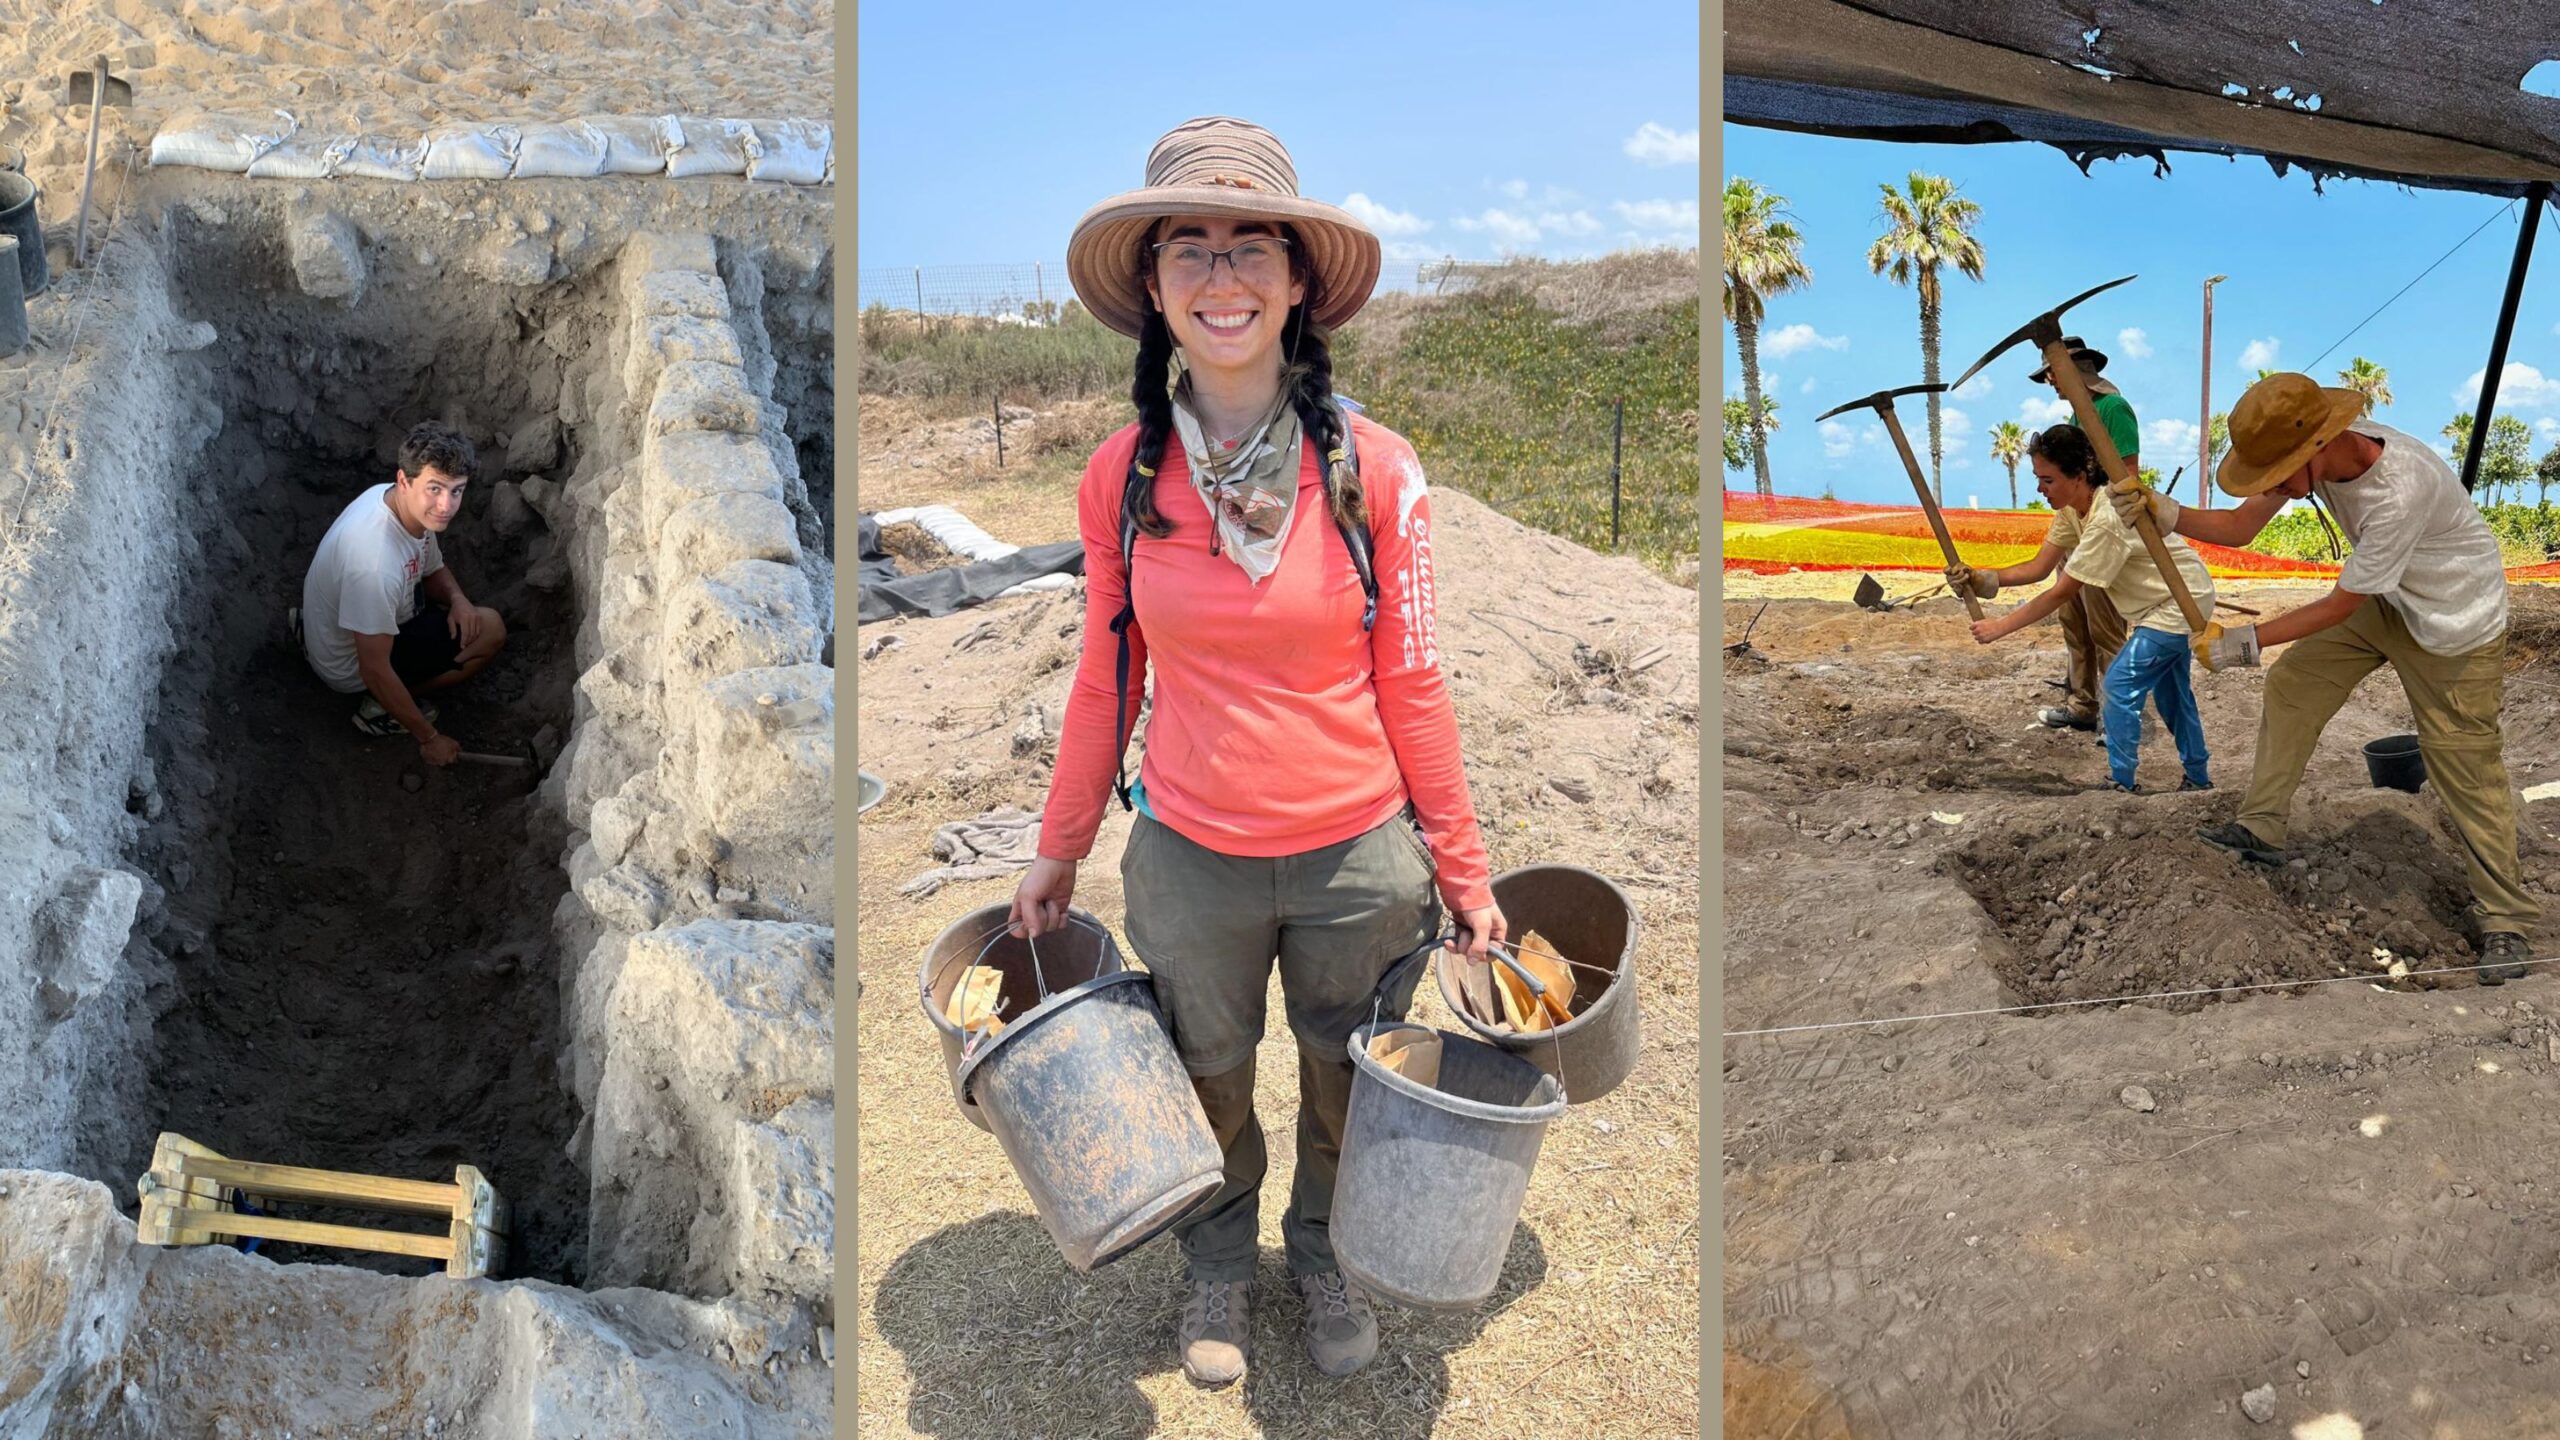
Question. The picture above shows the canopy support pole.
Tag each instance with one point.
(2506, 329)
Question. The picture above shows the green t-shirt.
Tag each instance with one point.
(2116, 413)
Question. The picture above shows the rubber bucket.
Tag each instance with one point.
(1094, 1109)
(2395, 763)
(1591, 922)
(18, 218)
(868, 790)
(1432, 1175)
(1066, 959)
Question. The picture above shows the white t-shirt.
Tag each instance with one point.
(2421, 545)
(363, 581)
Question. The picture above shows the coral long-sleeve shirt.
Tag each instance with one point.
(1279, 727)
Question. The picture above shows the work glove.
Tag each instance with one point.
(2220, 649)
(1982, 583)
(2132, 500)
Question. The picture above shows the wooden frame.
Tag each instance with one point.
(185, 1202)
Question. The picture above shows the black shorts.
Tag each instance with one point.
(425, 647)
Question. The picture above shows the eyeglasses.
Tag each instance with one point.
(1259, 261)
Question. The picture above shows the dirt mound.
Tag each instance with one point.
(2093, 909)
(1912, 747)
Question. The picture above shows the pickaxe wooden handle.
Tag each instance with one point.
(2066, 377)
(1928, 503)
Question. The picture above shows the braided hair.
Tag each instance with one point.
(1308, 378)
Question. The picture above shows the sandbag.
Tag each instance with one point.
(378, 157)
(214, 140)
(568, 149)
(471, 152)
(697, 146)
(299, 159)
(633, 144)
(789, 152)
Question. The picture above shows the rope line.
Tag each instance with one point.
(2112, 1000)
(2405, 289)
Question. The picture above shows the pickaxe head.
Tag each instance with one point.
(1879, 400)
(2043, 330)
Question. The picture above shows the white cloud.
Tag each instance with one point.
(1411, 252)
(1514, 189)
(1807, 387)
(1386, 222)
(1973, 389)
(1788, 340)
(2547, 428)
(1654, 144)
(1837, 439)
(1954, 426)
(2134, 343)
(1659, 214)
(2520, 387)
(2172, 441)
(2038, 413)
(1519, 230)
(2261, 354)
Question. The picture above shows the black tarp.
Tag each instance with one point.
(885, 592)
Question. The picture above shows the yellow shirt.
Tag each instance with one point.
(2111, 556)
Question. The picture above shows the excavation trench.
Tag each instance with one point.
(366, 979)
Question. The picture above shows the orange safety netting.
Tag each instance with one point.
(1768, 535)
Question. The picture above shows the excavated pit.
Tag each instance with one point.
(2096, 910)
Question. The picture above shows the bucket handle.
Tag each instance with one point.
(1500, 952)
(996, 932)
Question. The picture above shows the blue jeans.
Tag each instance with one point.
(2153, 663)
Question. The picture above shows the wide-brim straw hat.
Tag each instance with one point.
(2095, 360)
(1217, 166)
(2277, 425)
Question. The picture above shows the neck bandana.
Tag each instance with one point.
(1249, 485)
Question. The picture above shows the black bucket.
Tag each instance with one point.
(1091, 1103)
(2395, 763)
(1432, 1176)
(1065, 959)
(18, 218)
(1591, 922)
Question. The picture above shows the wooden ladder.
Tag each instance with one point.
(186, 1200)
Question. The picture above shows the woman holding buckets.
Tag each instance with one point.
(1265, 559)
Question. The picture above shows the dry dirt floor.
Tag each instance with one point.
(1574, 675)
(2342, 1193)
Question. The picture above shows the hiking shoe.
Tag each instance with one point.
(1215, 1326)
(2190, 786)
(1342, 1331)
(2056, 718)
(372, 719)
(2242, 841)
(2502, 957)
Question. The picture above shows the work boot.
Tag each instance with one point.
(2502, 957)
(1342, 1331)
(1215, 1326)
(2242, 841)
(2054, 717)
(2190, 786)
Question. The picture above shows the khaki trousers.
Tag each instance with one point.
(2093, 632)
(1210, 927)
(2455, 700)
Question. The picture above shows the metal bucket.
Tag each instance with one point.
(1591, 922)
(1091, 1103)
(1065, 959)
(1432, 1176)
(18, 218)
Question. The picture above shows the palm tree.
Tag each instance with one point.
(2508, 457)
(1930, 227)
(1763, 256)
(2369, 380)
(1739, 451)
(2009, 446)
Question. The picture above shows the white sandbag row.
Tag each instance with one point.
(962, 537)
(271, 146)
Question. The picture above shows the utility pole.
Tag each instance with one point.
(2204, 422)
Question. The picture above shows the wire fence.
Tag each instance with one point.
(1037, 293)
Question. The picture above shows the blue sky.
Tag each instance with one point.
(1471, 131)
(2304, 268)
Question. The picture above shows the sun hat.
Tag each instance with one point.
(1217, 165)
(2095, 360)
(2276, 426)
